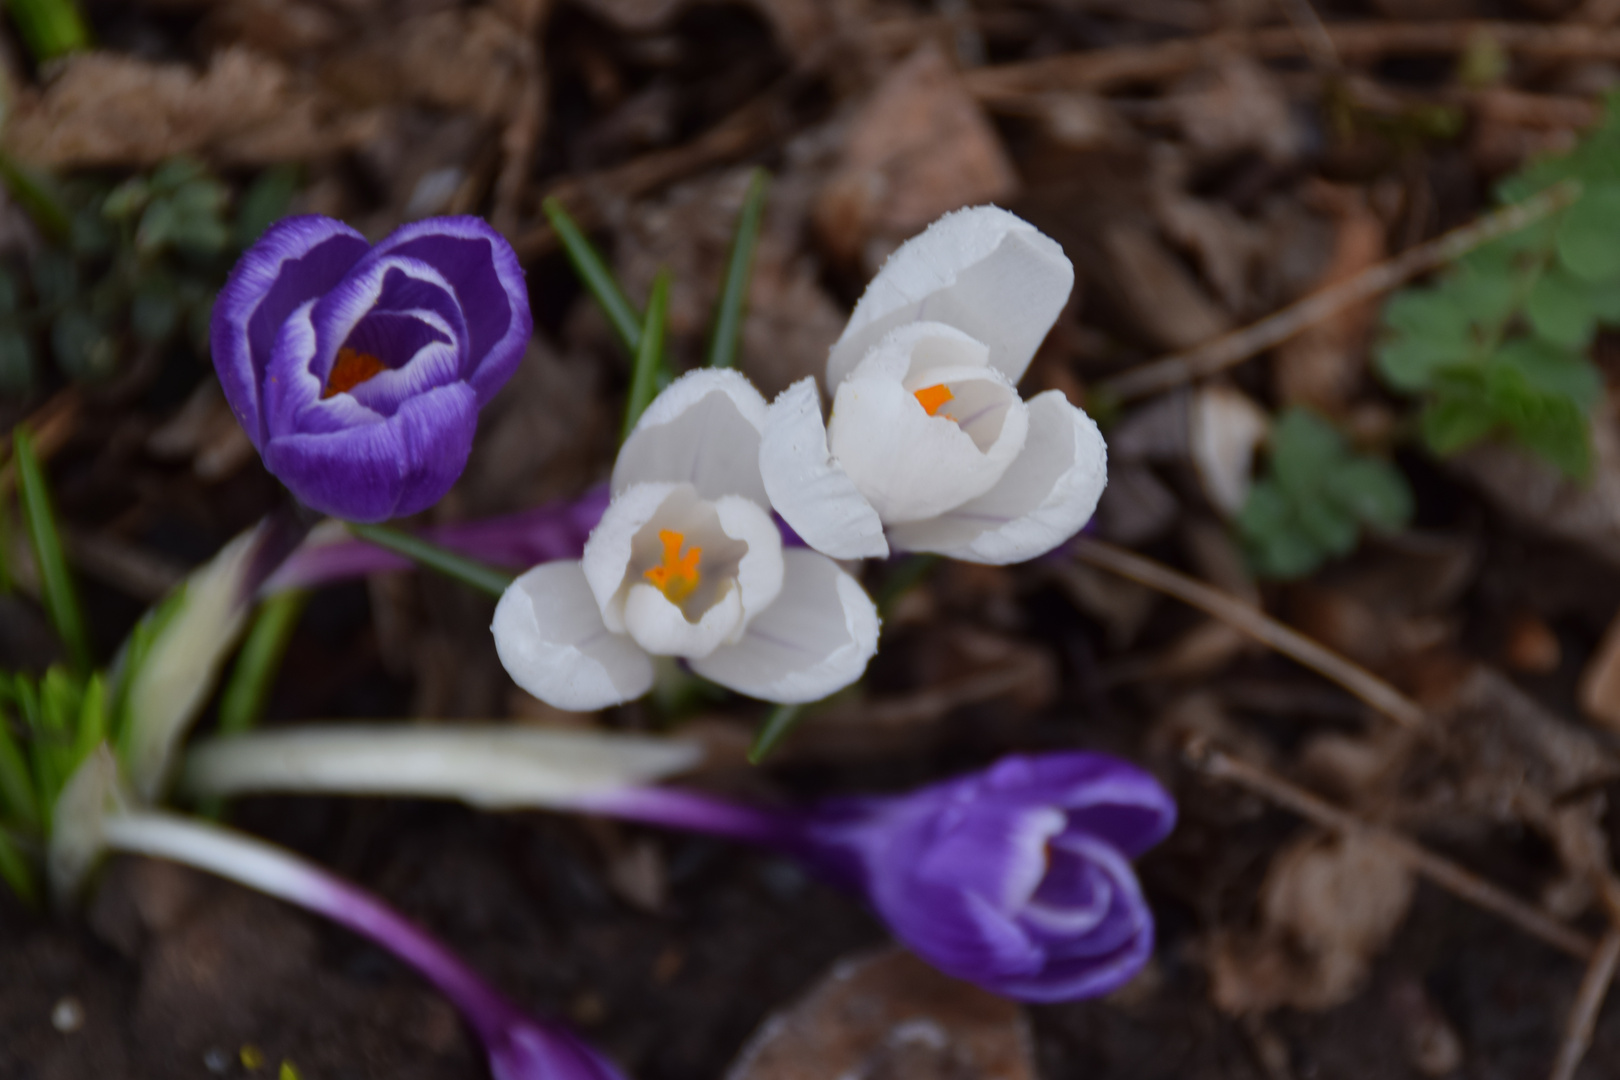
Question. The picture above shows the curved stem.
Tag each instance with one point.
(281, 874)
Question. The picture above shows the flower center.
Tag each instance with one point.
(677, 576)
(352, 369)
(932, 398)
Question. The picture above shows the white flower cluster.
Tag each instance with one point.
(929, 448)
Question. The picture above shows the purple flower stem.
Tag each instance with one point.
(676, 808)
(519, 1047)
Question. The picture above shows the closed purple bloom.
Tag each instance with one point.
(358, 371)
(1017, 878)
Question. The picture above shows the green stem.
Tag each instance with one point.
(593, 271)
(728, 315)
(649, 355)
(485, 579)
(782, 719)
(56, 584)
(243, 702)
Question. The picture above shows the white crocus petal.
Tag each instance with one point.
(813, 641)
(739, 568)
(663, 629)
(609, 548)
(811, 491)
(551, 639)
(702, 430)
(1044, 498)
(982, 270)
(912, 466)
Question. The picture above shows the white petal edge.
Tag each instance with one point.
(606, 559)
(814, 641)
(662, 629)
(759, 573)
(911, 466)
(811, 491)
(984, 271)
(703, 430)
(1046, 496)
(551, 639)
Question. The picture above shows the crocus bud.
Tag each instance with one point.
(929, 447)
(358, 371)
(1017, 878)
(687, 562)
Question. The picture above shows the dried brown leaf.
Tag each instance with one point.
(1600, 681)
(112, 109)
(890, 1015)
(920, 146)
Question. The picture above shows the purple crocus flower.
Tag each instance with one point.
(1017, 878)
(358, 371)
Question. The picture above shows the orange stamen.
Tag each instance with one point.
(352, 369)
(932, 398)
(677, 576)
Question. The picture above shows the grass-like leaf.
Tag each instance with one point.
(781, 720)
(56, 583)
(17, 871)
(50, 28)
(726, 335)
(18, 799)
(598, 279)
(485, 579)
(649, 356)
(243, 702)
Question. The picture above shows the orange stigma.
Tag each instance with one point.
(352, 369)
(677, 576)
(932, 398)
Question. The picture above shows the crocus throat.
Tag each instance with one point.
(352, 369)
(677, 576)
(932, 398)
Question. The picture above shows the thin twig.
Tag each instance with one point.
(1583, 1014)
(1102, 69)
(1443, 872)
(1239, 345)
(1253, 622)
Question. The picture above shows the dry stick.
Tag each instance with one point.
(1102, 69)
(1583, 1014)
(1234, 348)
(1253, 622)
(1443, 872)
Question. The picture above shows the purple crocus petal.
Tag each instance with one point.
(971, 849)
(337, 357)
(387, 468)
(527, 1051)
(296, 260)
(403, 313)
(1102, 795)
(483, 271)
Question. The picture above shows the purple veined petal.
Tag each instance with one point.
(400, 311)
(1121, 804)
(389, 468)
(1086, 977)
(999, 854)
(295, 261)
(484, 272)
(961, 933)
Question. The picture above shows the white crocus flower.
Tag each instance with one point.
(687, 562)
(929, 447)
